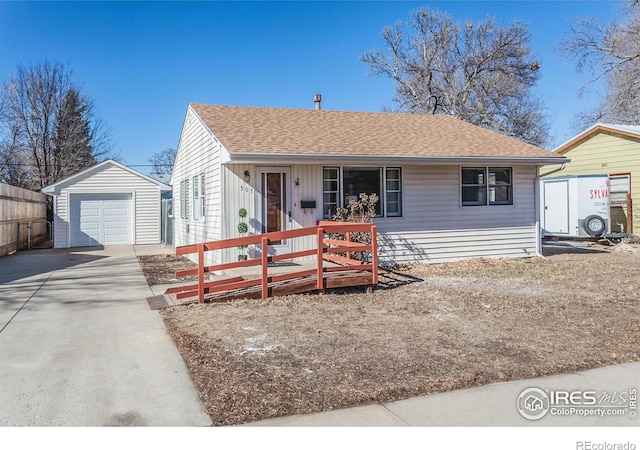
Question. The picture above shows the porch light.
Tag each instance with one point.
(247, 176)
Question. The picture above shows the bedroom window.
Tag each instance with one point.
(344, 184)
(486, 186)
(198, 197)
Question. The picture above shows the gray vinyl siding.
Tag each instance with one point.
(434, 226)
(198, 153)
(111, 179)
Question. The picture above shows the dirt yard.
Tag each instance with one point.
(425, 329)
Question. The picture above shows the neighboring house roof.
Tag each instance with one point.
(622, 130)
(253, 133)
(52, 187)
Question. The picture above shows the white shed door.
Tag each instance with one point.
(101, 219)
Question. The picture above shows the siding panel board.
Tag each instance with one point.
(198, 153)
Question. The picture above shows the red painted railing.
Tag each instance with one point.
(327, 249)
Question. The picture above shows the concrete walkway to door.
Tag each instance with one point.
(80, 347)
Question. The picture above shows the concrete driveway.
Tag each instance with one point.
(79, 345)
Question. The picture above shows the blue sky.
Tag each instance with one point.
(143, 62)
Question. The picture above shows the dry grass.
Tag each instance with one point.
(426, 329)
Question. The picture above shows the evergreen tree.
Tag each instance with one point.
(72, 147)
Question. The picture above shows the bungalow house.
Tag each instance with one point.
(448, 190)
(613, 150)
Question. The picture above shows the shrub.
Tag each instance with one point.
(362, 210)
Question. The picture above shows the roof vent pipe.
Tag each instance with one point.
(317, 99)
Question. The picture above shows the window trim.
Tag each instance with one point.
(383, 187)
(385, 174)
(184, 199)
(487, 186)
(197, 196)
(338, 181)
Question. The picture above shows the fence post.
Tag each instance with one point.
(629, 214)
(348, 239)
(320, 272)
(265, 267)
(200, 273)
(374, 255)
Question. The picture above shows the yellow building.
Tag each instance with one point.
(613, 150)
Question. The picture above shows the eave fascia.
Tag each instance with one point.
(306, 159)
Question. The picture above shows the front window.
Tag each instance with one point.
(364, 180)
(331, 191)
(486, 186)
(393, 192)
(344, 184)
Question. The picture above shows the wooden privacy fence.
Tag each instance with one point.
(345, 270)
(23, 218)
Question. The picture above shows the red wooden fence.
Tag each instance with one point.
(327, 248)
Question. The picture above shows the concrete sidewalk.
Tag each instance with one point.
(80, 347)
(490, 405)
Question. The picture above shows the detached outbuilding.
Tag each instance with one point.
(447, 190)
(613, 150)
(106, 204)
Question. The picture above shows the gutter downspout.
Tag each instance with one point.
(539, 206)
(562, 167)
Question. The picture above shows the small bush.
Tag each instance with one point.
(362, 210)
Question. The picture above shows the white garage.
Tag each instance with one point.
(107, 204)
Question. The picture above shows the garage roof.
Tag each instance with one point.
(68, 180)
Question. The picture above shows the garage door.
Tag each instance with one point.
(101, 219)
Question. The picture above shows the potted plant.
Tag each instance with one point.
(243, 228)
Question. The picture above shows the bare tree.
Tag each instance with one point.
(48, 129)
(609, 53)
(162, 161)
(482, 73)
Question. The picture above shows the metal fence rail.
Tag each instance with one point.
(23, 219)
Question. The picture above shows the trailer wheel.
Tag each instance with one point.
(594, 225)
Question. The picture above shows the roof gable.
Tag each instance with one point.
(300, 132)
(109, 162)
(632, 131)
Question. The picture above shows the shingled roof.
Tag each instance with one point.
(281, 132)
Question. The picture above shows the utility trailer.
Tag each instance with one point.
(574, 206)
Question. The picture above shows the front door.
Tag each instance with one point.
(275, 204)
